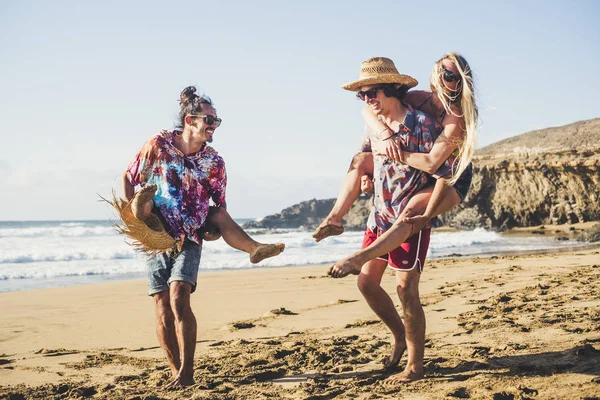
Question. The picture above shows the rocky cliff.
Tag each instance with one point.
(309, 214)
(540, 177)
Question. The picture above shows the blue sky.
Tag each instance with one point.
(84, 84)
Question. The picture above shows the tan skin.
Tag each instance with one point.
(176, 324)
(429, 202)
(419, 209)
(444, 197)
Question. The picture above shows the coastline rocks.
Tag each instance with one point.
(309, 214)
(548, 176)
(591, 235)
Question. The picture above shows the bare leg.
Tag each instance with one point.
(443, 199)
(387, 242)
(414, 322)
(369, 284)
(141, 204)
(185, 329)
(236, 237)
(165, 330)
(362, 164)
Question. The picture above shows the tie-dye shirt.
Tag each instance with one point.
(395, 183)
(186, 183)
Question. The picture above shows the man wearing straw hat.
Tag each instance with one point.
(383, 89)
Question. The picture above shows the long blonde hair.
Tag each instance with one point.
(464, 99)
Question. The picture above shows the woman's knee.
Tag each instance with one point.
(363, 163)
(216, 214)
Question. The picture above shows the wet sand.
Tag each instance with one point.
(504, 327)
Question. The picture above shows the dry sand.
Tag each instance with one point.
(512, 327)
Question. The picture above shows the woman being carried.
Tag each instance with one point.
(452, 102)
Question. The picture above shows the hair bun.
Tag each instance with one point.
(187, 95)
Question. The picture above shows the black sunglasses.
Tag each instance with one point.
(369, 94)
(209, 119)
(450, 76)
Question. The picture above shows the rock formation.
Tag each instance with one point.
(540, 177)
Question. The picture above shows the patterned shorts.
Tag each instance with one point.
(163, 269)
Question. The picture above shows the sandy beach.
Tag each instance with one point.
(505, 327)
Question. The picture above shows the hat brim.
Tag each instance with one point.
(383, 78)
(141, 237)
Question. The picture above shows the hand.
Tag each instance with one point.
(389, 148)
(366, 184)
(392, 149)
(418, 221)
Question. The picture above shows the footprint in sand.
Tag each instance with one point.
(281, 311)
(460, 393)
(359, 324)
(55, 353)
(241, 325)
(342, 301)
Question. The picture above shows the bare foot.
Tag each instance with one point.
(405, 376)
(326, 229)
(266, 251)
(394, 359)
(180, 381)
(345, 267)
(141, 205)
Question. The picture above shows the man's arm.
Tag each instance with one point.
(218, 184)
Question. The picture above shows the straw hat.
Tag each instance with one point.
(379, 70)
(148, 236)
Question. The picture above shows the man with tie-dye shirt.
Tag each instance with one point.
(185, 184)
(176, 175)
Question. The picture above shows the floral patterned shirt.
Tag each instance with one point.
(395, 183)
(186, 183)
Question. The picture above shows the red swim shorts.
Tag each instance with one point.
(409, 255)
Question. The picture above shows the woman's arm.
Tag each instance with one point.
(387, 146)
(443, 147)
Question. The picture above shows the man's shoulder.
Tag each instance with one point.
(160, 138)
(212, 154)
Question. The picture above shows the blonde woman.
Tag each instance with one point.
(451, 102)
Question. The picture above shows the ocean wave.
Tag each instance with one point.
(53, 256)
(68, 231)
(66, 256)
(59, 270)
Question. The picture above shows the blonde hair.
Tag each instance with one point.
(464, 99)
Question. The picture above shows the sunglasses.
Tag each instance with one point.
(369, 94)
(449, 76)
(209, 119)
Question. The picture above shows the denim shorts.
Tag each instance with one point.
(463, 183)
(163, 269)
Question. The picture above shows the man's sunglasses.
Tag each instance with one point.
(369, 94)
(209, 119)
(450, 76)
